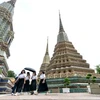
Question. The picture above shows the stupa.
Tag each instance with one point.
(66, 61)
(46, 59)
(6, 38)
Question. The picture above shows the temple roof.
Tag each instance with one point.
(47, 48)
(61, 29)
(12, 2)
(46, 57)
(62, 36)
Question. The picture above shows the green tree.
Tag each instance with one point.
(98, 69)
(88, 76)
(93, 79)
(66, 82)
(11, 73)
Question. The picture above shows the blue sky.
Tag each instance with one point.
(34, 20)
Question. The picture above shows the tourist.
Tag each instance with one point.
(21, 82)
(27, 81)
(15, 86)
(33, 83)
(42, 84)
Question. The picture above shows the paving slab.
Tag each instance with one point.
(53, 96)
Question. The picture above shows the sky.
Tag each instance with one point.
(35, 20)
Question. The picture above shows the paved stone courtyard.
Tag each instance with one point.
(53, 96)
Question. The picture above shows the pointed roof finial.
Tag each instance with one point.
(12, 2)
(61, 29)
(47, 48)
(62, 36)
(46, 58)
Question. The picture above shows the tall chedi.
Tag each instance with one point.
(6, 33)
(66, 61)
(46, 59)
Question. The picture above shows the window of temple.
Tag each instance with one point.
(69, 70)
(54, 73)
(63, 60)
(67, 60)
(64, 72)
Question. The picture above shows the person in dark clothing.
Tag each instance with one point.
(21, 82)
(42, 84)
(14, 88)
(33, 83)
(27, 81)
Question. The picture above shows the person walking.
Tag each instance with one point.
(21, 82)
(42, 84)
(33, 83)
(15, 86)
(27, 81)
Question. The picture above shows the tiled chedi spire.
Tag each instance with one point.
(62, 36)
(46, 59)
(12, 2)
(66, 61)
(6, 32)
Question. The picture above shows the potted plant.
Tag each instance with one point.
(88, 77)
(66, 84)
(93, 79)
(92, 86)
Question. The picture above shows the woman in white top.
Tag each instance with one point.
(42, 84)
(21, 82)
(33, 83)
(26, 85)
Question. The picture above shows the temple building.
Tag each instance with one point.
(66, 61)
(46, 60)
(6, 35)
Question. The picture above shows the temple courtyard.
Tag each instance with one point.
(53, 96)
